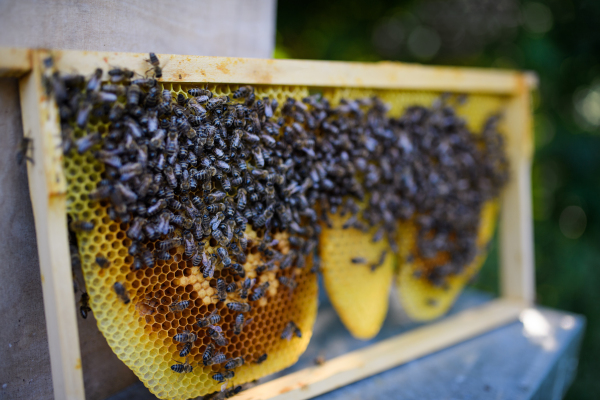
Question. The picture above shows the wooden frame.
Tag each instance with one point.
(48, 194)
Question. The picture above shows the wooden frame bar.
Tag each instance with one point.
(48, 194)
(360, 364)
(48, 191)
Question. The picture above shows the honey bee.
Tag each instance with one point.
(102, 262)
(215, 334)
(358, 260)
(81, 226)
(119, 74)
(208, 353)
(218, 235)
(246, 285)
(190, 244)
(320, 359)
(224, 256)
(290, 330)
(288, 260)
(133, 95)
(231, 287)
(155, 63)
(179, 306)
(221, 290)
(215, 197)
(182, 368)
(261, 359)
(223, 376)
(187, 347)
(197, 92)
(147, 258)
(234, 363)
(240, 324)
(146, 307)
(380, 261)
(218, 358)
(228, 393)
(288, 282)
(185, 336)
(121, 292)
(240, 307)
(87, 142)
(259, 292)
(84, 305)
(209, 266)
(243, 91)
(212, 319)
(25, 145)
(169, 244)
(75, 258)
(182, 221)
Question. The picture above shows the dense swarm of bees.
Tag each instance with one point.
(214, 181)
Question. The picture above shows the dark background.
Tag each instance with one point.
(560, 40)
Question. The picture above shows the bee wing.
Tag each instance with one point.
(216, 328)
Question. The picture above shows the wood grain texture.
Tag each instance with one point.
(47, 188)
(384, 75)
(517, 271)
(386, 354)
(207, 27)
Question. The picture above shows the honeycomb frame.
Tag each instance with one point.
(513, 85)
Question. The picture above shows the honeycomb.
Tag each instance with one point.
(141, 332)
(343, 279)
(420, 299)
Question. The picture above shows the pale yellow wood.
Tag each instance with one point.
(14, 62)
(517, 275)
(48, 197)
(385, 75)
(387, 354)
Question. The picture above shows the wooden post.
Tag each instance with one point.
(517, 271)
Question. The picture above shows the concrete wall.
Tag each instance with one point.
(241, 28)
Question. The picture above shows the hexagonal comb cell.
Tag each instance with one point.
(141, 332)
(423, 301)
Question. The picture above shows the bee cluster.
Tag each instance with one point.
(195, 173)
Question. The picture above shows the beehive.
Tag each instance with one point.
(345, 280)
(141, 332)
(47, 188)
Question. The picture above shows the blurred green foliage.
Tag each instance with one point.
(557, 39)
